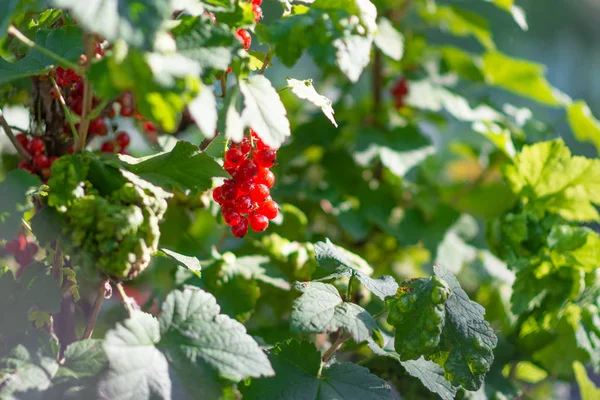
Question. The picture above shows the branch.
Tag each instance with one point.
(87, 95)
(207, 142)
(20, 149)
(335, 346)
(66, 110)
(91, 324)
(12, 30)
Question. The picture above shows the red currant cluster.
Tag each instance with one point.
(23, 249)
(40, 162)
(399, 92)
(247, 193)
(242, 34)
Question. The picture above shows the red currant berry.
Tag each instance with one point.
(150, 127)
(107, 147)
(258, 222)
(23, 259)
(228, 191)
(22, 138)
(98, 127)
(126, 111)
(266, 158)
(244, 37)
(258, 13)
(232, 218)
(257, 2)
(248, 170)
(122, 139)
(269, 209)
(31, 249)
(234, 157)
(52, 160)
(46, 174)
(12, 247)
(98, 49)
(245, 187)
(246, 146)
(36, 146)
(241, 229)
(265, 177)
(244, 204)
(24, 165)
(41, 161)
(216, 195)
(21, 242)
(260, 193)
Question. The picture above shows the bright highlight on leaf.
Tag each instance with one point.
(305, 90)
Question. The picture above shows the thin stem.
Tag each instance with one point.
(266, 61)
(283, 89)
(126, 299)
(63, 103)
(12, 30)
(380, 314)
(20, 149)
(335, 346)
(87, 96)
(224, 86)
(16, 128)
(207, 142)
(349, 289)
(95, 113)
(91, 324)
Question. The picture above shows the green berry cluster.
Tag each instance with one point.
(110, 224)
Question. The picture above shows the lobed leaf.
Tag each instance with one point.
(320, 309)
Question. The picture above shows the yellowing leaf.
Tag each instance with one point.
(519, 76)
(584, 125)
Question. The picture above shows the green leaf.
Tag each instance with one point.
(429, 373)
(459, 22)
(587, 388)
(185, 167)
(28, 364)
(230, 121)
(552, 179)
(191, 324)
(574, 246)
(191, 263)
(305, 90)
(417, 312)
(467, 343)
(389, 40)
(14, 200)
(361, 8)
(320, 309)
(401, 150)
(516, 11)
(584, 125)
(212, 45)
(292, 36)
(65, 42)
(241, 17)
(8, 9)
(336, 263)
(463, 63)
(66, 181)
(155, 80)
(522, 77)
(299, 376)
(203, 110)
(39, 288)
(137, 369)
(426, 94)
(264, 112)
(353, 54)
(85, 358)
(137, 22)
